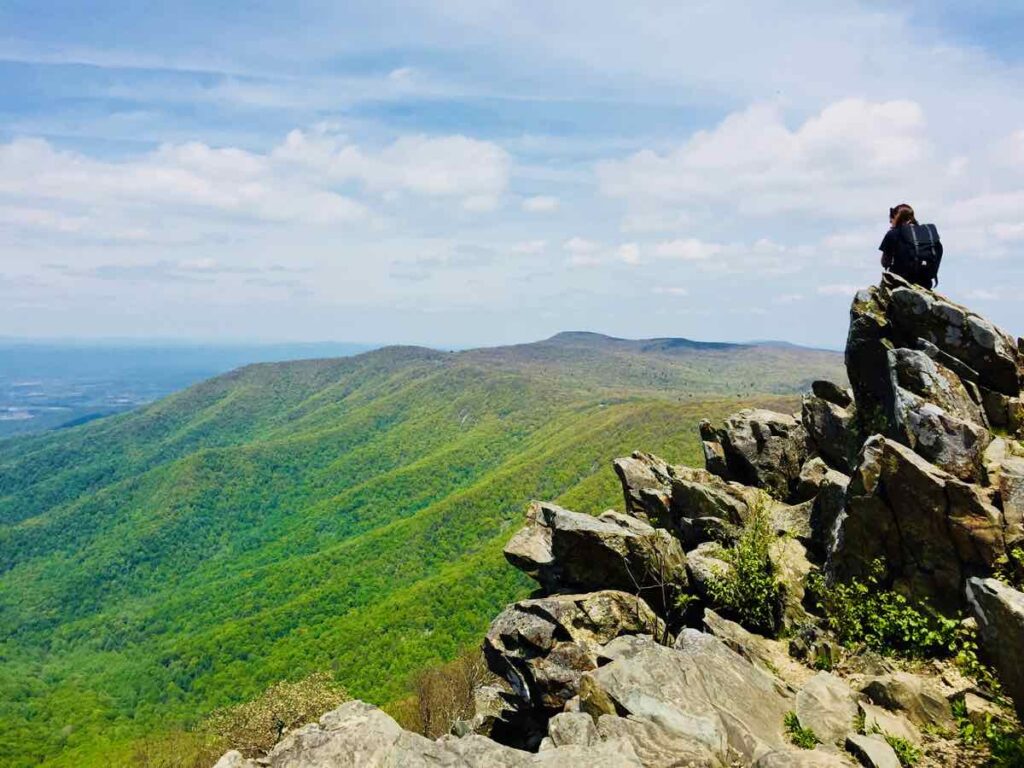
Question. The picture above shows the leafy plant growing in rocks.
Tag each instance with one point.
(749, 591)
(802, 737)
(906, 753)
(1004, 741)
(863, 612)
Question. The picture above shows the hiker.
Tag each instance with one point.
(911, 250)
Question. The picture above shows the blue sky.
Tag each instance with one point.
(483, 172)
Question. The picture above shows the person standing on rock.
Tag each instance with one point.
(911, 250)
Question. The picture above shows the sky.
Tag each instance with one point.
(476, 172)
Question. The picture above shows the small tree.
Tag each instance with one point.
(254, 727)
(749, 591)
(445, 693)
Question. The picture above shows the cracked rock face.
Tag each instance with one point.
(542, 647)
(700, 691)
(358, 735)
(833, 431)
(566, 550)
(930, 529)
(764, 449)
(695, 505)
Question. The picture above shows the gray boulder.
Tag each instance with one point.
(919, 314)
(694, 504)
(930, 529)
(573, 728)
(765, 449)
(655, 745)
(1010, 482)
(827, 706)
(566, 550)
(646, 481)
(936, 416)
(872, 751)
(867, 361)
(916, 372)
(715, 460)
(826, 488)
(705, 565)
(771, 656)
(922, 699)
(700, 691)
(704, 507)
(955, 445)
(832, 430)
(542, 647)
(971, 354)
(880, 720)
(792, 567)
(999, 611)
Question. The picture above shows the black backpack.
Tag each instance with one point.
(919, 254)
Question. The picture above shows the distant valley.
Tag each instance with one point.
(54, 385)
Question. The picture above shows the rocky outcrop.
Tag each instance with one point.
(566, 550)
(872, 751)
(832, 430)
(694, 504)
(828, 707)
(923, 700)
(917, 467)
(967, 353)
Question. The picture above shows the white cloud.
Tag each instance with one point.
(580, 246)
(193, 175)
(629, 253)
(689, 249)
(851, 153)
(530, 247)
(446, 166)
(671, 291)
(984, 294)
(298, 181)
(541, 204)
(788, 298)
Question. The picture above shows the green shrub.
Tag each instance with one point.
(1004, 742)
(906, 752)
(865, 613)
(802, 737)
(749, 591)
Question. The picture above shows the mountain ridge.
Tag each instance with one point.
(160, 563)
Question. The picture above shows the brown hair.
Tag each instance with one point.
(902, 214)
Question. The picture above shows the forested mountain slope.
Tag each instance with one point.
(345, 515)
